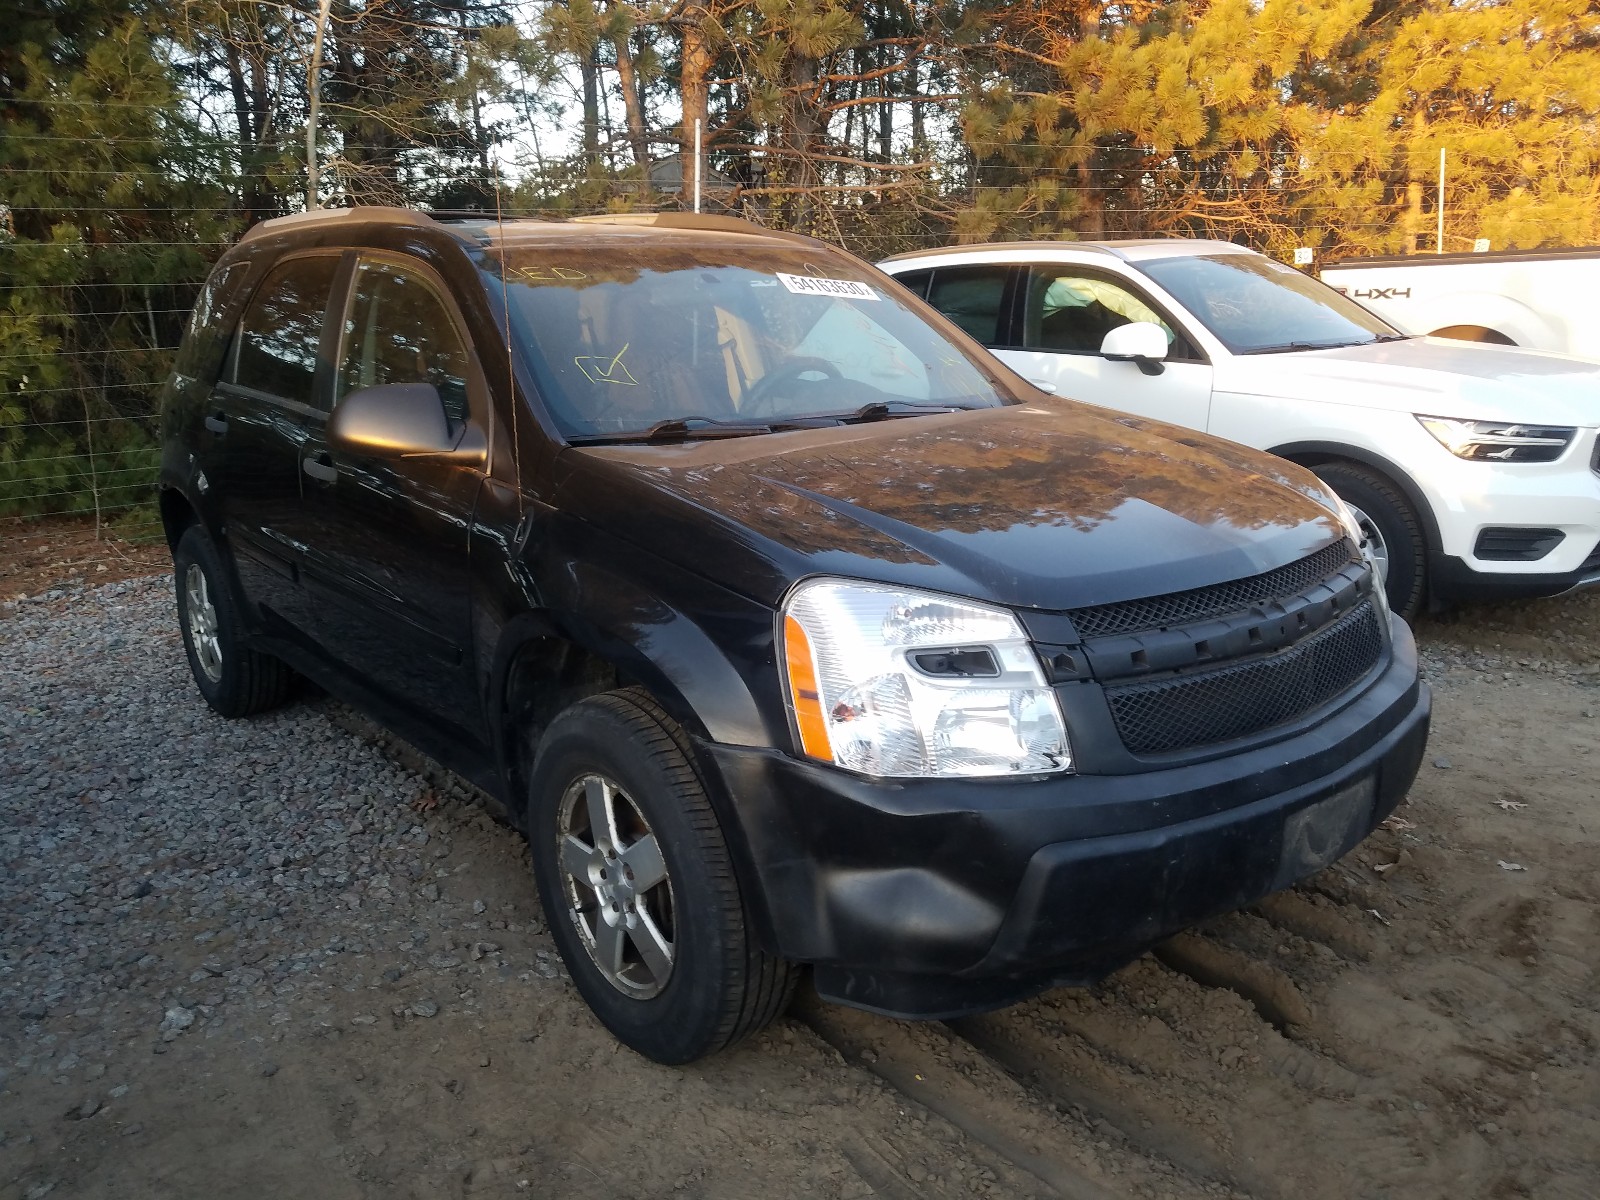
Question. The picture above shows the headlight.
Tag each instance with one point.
(888, 681)
(1500, 441)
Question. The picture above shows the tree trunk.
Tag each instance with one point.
(800, 138)
(589, 68)
(696, 100)
(633, 103)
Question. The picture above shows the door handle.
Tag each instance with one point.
(217, 422)
(1044, 385)
(320, 466)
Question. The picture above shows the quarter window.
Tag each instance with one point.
(398, 330)
(915, 282)
(278, 338)
(1071, 312)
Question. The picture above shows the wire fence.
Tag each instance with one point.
(78, 422)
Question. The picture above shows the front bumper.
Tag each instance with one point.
(935, 898)
(1452, 578)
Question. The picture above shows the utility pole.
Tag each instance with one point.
(314, 87)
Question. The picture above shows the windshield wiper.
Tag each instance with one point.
(1285, 346)
(1393, 337)
(677, 429)
(882, 410)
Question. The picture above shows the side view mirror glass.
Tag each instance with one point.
(1137, 339)
(392, 420)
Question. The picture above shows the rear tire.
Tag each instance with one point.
(235, 680)
(638, 885)
(1386, 516)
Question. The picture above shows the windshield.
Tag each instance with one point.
(1254, 304)
(623, 339)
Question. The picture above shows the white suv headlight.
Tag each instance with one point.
(890, 681)
(1500, 441)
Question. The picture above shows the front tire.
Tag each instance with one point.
(1390, 530)
(638, 885)
(235, 680)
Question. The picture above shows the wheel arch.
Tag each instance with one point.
(1473, 333)
(1312, 454)
(177, 514)
(1492, 311)
(544, 667)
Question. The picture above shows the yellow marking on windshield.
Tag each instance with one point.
(597, 370)
(547, 274)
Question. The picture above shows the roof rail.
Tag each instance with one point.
(713, 222)
(380, 213)
(1062, 244)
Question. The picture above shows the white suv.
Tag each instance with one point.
(1472, 469)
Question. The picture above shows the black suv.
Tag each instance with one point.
(788, 624)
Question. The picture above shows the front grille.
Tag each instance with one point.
(1198, 604)
(1184, 711)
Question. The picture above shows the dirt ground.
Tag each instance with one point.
(36, 556)
(1420, 1020)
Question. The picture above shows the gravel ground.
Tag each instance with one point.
(147, 841)
(286, 956)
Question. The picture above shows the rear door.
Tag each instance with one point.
(255, 424)
(1063, 316)
(386, 539)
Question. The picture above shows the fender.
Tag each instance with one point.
(1309, 453)
(589, 618)
(602, 630)
(1490, 310)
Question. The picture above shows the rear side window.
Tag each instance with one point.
(971, 297)
(399, 331)
(206, 336)
(276, 350)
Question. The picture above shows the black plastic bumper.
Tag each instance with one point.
(1450, 578)
(933, 898)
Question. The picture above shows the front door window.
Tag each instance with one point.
(1070, 312)
(398, 330)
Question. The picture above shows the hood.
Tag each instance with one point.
(1049, 506)
(1437, 377)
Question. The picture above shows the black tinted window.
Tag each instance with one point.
(399, 331)
(207, 335)
(915, 282)
(971, 296)
(277, 346)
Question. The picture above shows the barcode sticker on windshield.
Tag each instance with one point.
(806, 285)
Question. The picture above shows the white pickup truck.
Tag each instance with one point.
(1541, 299)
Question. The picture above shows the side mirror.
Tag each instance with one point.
(398, 420)
(1141, 342)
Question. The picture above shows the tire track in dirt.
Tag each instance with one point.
(1048, 1148)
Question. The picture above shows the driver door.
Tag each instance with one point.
(1065, 313)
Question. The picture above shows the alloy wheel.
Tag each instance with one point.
(1372, 543)
(616, 886)
(202, 614)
